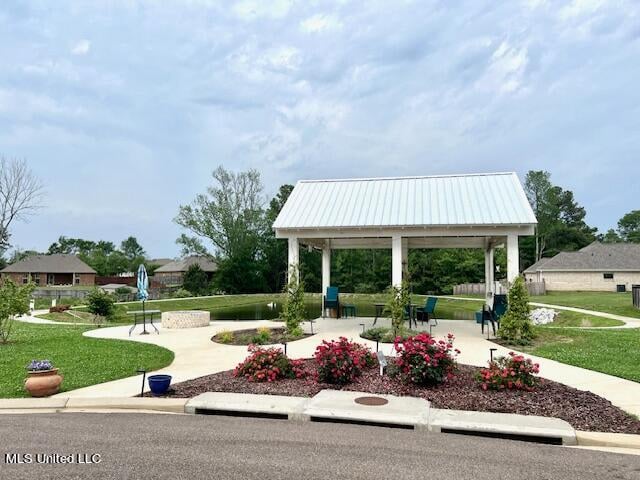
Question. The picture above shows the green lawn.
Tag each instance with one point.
(615, 352)
(82, 361)
(76, 316)
(609, 302)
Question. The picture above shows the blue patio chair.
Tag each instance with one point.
(493, 315)
(331, 300)
(428, 310)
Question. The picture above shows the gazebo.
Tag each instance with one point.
(485, 211)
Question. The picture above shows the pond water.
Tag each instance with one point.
(262, 311)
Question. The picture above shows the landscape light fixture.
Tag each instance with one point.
(285, 347)
(491, 350)
(144, 376)
(362, 325)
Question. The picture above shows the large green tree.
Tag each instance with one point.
(629, 227)
(230, 215)
(561, 220)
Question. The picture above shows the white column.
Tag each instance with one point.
(396, 261)
(294, 255)
(326, 266)
(487, 280)
(513, 258)
(492, 270)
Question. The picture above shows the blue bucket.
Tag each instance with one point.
(159, 384)
(478, 317)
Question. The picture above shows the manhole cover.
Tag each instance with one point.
(371, 401)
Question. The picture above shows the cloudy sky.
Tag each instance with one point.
(124, 107)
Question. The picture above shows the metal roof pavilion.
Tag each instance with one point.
(445, 211)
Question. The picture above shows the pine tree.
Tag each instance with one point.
(516, 326)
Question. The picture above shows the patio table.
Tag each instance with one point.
(144, 314)
(412, 312)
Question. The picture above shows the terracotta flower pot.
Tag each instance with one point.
(43, 383)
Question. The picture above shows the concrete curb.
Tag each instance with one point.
(339, 406)
(602, 439)
(60, 404)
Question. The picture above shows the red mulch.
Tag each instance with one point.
(583, 410)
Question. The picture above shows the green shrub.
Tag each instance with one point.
(516, 326)
(386, 334)
(123, 291)
(100, 303)
(196, 281)
(397, 305)
(14, 300)
(263, 336)
(225, 336)
(182, 293)
(294, 309)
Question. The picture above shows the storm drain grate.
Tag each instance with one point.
(361, 422)
(507, 436)
(232, 413)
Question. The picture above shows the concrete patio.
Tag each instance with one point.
(196, 355)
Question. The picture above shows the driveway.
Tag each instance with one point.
(183, 446)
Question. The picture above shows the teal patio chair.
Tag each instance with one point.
(331, 300)
(428, 311)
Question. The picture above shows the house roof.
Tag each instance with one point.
(205, 263)
(160, 261)
(594, 257)
(58, 263)
(443, 201)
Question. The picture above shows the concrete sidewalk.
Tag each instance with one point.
(196, 355)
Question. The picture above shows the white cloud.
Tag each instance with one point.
(252, 9)
(81, 48)
(578, 8)
(319, 23)
(315, 112)
(506, 69)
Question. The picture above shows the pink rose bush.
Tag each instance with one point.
(341, 361)
(268, 365)
(423, 360)
(513, 372)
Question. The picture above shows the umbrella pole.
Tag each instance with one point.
(144, 319)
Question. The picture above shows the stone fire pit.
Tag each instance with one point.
(185, 319)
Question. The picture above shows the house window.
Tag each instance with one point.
(608, 276)
(76, 279)
(36, 278)
(25, 279)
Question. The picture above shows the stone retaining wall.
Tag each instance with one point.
(185, 319)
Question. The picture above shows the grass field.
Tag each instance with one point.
(446, 308)
(615, 352)
(82, 361)
(609, 302)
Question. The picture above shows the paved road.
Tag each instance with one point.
(139, 446)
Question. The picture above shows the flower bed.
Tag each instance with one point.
(583, 410)
(256, 336)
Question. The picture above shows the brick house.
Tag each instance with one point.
(51, 270)
(172, 274)
(606, 267)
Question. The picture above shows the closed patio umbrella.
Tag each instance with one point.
(143, 293)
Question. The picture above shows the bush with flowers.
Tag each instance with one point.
(513, 372)
(268, 365)
(342, 361)
(423, 360)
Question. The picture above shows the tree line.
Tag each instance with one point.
(234, 220)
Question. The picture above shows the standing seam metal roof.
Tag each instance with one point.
(463, 200)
